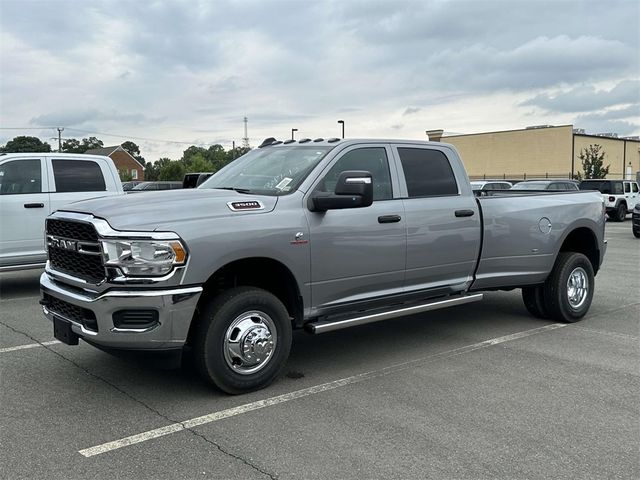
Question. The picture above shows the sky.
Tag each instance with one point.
(169, 74)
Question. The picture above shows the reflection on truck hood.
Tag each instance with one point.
(146, 211)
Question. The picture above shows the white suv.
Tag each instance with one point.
(620, 196)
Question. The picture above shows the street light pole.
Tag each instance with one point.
(292, 132)
(342, 123)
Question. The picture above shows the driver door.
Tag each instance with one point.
(358, 253)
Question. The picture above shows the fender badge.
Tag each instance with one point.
(243, 206)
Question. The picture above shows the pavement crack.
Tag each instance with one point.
(142, 403)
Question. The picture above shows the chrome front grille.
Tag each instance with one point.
(73, 249)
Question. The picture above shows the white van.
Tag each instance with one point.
(33, 185)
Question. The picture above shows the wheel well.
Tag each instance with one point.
(259, 272)
(583, 240)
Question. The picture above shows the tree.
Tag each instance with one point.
(151, 172)
(592, 159)
(173, 170)
(25, 144)
(72, 145)
(125, 175)
(134, 151)
(198, 163)
(91, 142)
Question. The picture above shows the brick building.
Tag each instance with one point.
(123, 160)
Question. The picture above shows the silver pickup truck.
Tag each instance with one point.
(315, 234)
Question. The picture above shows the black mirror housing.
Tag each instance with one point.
(353, 190)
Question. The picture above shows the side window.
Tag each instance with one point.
(617, 188)
(634, 187)
(78, 176)
(627, 187)
(20, 176)
(427, 172)
(373, 160)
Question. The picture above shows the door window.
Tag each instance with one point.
(20, 176)
(627, 187)
(78, 176)
(617, 188)
(634, 187)
(427, 172)
(373, 160)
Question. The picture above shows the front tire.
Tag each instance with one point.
(636, 232)
(243, 340)
(568, 291)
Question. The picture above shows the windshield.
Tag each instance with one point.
(530, 186)
(269, 171)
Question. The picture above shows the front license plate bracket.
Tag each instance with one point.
(62, 331)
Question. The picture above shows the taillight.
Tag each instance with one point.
(612, 199)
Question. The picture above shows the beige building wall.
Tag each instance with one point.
(613, 152)
(536, 153)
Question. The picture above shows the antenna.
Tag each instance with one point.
(245, 139)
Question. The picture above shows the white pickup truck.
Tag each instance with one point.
(32, 185)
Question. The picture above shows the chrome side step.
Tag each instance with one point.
(329, 326)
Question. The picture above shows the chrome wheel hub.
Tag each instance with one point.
(577, 287)
(250, 342)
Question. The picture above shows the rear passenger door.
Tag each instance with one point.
(442, 219)
(75, 179)
(24, 204)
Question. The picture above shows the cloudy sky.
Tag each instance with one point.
(168, 74)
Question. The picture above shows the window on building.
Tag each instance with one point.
(427, 172)
(134, 174)
(372, 160)
(20, 176)
(78, 176)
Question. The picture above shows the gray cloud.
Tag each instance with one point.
(586, 97)
(411, 110)
(624, 121)
(178, 69)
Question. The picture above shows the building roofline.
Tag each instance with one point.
(507, 131)
(620, 139)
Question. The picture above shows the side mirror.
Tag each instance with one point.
(353, 190)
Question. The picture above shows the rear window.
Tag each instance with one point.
(78, 176)
(603, 186)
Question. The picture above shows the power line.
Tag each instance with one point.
(105, 134)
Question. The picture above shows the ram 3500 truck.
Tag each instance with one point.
(322, 235)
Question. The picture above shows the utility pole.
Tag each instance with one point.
(233, 150)
(342, 123)
(60, 130)
(245, 140)
(293, 130)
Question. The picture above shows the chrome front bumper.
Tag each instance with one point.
(175, 308)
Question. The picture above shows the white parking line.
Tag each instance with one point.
(305, 392)
(31, 345)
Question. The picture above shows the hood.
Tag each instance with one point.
(147, 210)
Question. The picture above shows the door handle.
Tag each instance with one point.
(464, 213)
(34, 205)
(389, 218)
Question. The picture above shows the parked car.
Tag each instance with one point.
(562, 185)
(154, 186)
(481, 187)
(323, 236)
(32, 185)
(126, 186)
(619, 196)
(635, 221)
(193, 180)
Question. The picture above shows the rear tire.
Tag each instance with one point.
(243, 340)
(636, 232)
(621, 212)
(568, 291)
(533, 298)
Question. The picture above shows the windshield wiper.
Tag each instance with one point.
(235, 189)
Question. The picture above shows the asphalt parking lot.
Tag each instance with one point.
(477, 391)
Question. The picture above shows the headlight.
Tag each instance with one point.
(143, 257)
